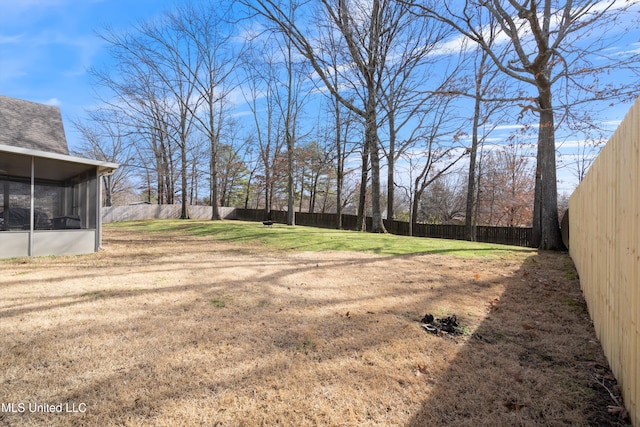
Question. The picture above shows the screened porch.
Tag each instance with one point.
(49, 203)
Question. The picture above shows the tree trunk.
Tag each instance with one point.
(371, 140)
(169, 177)
(215, 213)
(107, 189)
(291, 213)
(340, 166)
(213, 138)
(377, 225)
(193, 188)
(364, 179)
(411, 201)
(417, 195)
(546, 226)
(339, 194)
(325, 196)
(301, 189)
(184, 213)
(391, 160)
(267, 193)
(471, 183)
(248, 191)
(314, 192)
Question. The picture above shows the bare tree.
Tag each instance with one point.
(548, 45)
(140, 104)
(486, 82)
(444, 200)
(259, 92)
(314, 164)
(507, 189)
(174, 59)
(367, 30)
(413, 74)
(160, 52)
(582, 141)
(197, 155)
(155, 131)
(205, 28)
(343, 121)
(440, 150)
(234, 162)
(251, 165)
(290, 104)
(104, 137)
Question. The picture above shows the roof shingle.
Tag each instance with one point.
(30, 125)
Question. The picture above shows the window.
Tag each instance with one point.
(65, 196)
(15, 204)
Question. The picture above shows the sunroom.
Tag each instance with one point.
(49, 201)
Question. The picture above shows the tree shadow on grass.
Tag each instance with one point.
(268, 349)
(533, 361)
(264, 351)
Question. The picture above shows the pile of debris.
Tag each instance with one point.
(446, 325)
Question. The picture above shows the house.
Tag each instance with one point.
(50, 201)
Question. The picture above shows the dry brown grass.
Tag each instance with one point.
(172, 330)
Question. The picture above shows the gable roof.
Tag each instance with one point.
(32, 126)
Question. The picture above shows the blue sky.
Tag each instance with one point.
(46, 47)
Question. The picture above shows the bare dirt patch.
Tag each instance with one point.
(166, 330)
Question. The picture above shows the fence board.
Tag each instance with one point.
(515, 236)
(605, 247)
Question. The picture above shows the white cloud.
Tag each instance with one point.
(612, 123)
(509, 127)
(4, 39)
(25, 10)
(54, 102)
(452, 47)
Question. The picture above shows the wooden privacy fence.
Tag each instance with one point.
(516, 236)
(503, 235)
(604, 239)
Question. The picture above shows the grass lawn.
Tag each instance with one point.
(301, 238)
(235, 324)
